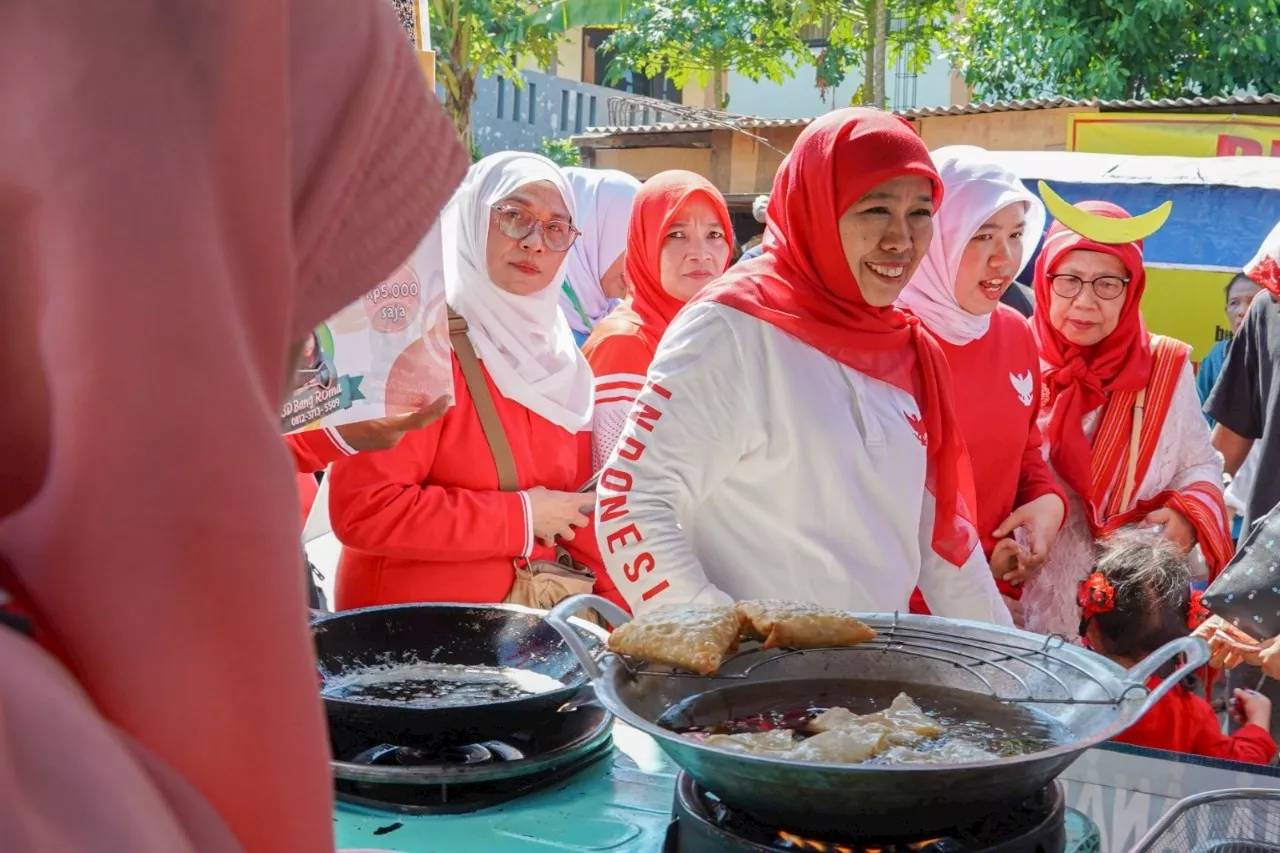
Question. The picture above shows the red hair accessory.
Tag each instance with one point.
(1096, 595)
(1197, 613)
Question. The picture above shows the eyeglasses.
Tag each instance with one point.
(557, 234)
(1106, 287)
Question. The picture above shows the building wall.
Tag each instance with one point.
(798, 97)
(1020, 130)
(501, 119)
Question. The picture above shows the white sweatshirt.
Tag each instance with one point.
(754, 466)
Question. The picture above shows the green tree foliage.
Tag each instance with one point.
(482, 38)
(763, 39)
(560, 151)
(703, 40)
(1118, 49)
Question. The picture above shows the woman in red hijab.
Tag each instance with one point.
(678, 243)
(1120, 417)
(796, 435)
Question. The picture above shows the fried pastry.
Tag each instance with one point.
(800, 625)
(775, 743)
(695, 637)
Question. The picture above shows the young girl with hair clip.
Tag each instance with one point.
(1138, 598)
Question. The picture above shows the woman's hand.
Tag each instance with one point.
(1230, 647)
(1176, 527)
(1251, 708)
(556, 514)
(1042, 519)
(385, 433)
(1010, 562)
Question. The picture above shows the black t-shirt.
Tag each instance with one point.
(1246, 399)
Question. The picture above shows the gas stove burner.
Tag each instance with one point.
(704, 824)
(457, 779)
(387, 755)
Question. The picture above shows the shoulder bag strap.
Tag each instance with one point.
(483, 400)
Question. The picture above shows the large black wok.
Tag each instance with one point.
(353, 642)
(994, 671)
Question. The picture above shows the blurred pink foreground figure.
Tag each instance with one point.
(186, 187)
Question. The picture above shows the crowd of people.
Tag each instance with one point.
(849, 416)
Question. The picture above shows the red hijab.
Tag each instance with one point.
(656, 206)
(803, 285)
(1077, 380)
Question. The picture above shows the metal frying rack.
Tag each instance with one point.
(993, 655)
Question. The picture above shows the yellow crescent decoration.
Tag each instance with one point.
(1104, 229)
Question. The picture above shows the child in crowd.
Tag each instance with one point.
(1138, 598)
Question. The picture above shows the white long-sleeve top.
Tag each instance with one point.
(1183, 455)
(754, 466)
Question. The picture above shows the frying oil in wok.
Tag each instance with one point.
(438, 685)
(976, 728)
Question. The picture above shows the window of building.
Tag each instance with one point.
(595, 66)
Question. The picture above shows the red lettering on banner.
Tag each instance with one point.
(654, 590)
(613, 507)
(660, 391)
(645, 415)
(631, 449)
(1275, 148)
(615, 480)
(619, 537)
(644, 562)
(1239, 146)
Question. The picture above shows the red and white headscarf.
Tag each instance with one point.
(1078, 379)
(1265, 266)
(803, 285)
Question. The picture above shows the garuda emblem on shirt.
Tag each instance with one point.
(1023, 385)
(917, 425)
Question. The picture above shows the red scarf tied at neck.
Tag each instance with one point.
(802, 284)
(658, 202)
(1077, 379)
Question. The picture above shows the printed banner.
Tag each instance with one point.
(1187, 304)
(1175, 135)
(386, 354)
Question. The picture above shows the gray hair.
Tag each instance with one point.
(759, 208)
(1144, 563)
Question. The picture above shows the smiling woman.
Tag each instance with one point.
(478, 506)
(795, 435)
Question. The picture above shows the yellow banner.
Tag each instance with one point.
(1187, 304)
(1175, 135)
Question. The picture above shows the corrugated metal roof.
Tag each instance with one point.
(750, 123)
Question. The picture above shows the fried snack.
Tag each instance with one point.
(776, 743)
(800, 625)
(695, 637)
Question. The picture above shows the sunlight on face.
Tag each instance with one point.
(885, 234)
(525, 265)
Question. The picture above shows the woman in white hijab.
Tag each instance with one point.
(983, 235)
(594, 282)
(482, 505)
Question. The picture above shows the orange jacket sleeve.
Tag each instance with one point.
(383, 503)
(315, 449)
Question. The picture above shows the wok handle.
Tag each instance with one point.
(1197, 655)
(559, 616)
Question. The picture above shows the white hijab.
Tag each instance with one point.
(604, 198)
(975, 189)
(524, 341)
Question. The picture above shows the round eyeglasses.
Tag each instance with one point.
(557, 234)
(1106, 287)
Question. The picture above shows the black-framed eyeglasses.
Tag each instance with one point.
(557, 234)
(1106, 287)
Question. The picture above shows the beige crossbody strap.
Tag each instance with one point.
(1135, 441)
(483, 400)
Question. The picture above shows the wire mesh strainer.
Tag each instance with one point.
(1238, 820)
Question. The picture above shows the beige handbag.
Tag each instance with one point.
(540, 584)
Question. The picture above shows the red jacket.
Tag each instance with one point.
(313, 450)
(996, 380)
(425, 521)
(1184, 722)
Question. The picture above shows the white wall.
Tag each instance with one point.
(798, 97)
